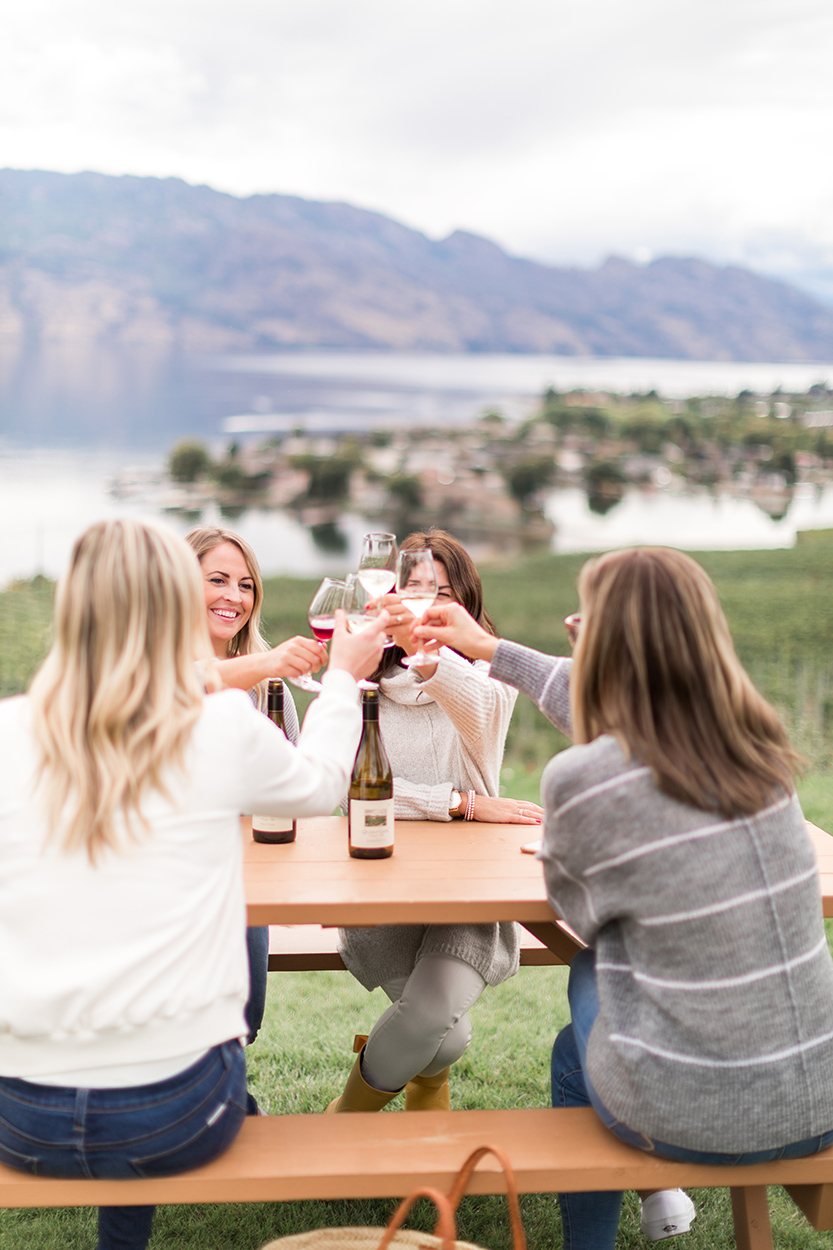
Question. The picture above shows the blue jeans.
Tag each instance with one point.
(590, 1220)
(257, 948)
(115, 1134)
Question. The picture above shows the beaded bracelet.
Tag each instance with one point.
(470, 806)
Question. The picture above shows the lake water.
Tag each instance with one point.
(72, 418)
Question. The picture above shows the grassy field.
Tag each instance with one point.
(780, 607)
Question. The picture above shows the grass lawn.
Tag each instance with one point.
(780, 608)
(301, 1060)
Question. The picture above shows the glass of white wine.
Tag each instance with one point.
(356, 615)
(416, 585)
(377, 564)
(377, 567)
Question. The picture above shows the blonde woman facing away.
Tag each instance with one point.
(122, 917)
(444, 726)
(674, 844)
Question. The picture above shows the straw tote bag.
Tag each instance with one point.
(395, 1237)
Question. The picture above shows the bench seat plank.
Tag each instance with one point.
(286, 1158)
(314, 948)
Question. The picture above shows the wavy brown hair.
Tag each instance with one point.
(463, 578)
(116, 699)
(655, 665)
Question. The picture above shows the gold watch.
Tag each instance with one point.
(454, 805)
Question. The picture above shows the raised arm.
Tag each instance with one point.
(545, 678)
(479, 707)
(290, 659)
(309, 780)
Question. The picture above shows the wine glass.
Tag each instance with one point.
(377, 567)
(377, 564)
(356, 599)
(322, 621)
(416, 585)
(356, 615)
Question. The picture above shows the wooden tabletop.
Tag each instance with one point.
(466, 871)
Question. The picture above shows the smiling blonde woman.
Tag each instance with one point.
(233, 592)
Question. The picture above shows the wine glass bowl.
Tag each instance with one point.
(377, 564)
(322, 621)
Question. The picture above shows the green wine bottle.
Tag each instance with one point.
(370, 797)
(274, 828)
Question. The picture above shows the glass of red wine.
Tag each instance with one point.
(322, 621)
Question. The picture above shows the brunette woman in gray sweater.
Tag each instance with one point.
(674, 844)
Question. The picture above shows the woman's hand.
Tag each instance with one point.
(358, 654)
(401, 622)
(506, 811)
(451, 626)
(297, 656)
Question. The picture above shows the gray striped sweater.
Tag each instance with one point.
(715, 1029)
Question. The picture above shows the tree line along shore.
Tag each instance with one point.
(491, 477)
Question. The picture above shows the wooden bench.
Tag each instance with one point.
(314, 947)
(287, 1158)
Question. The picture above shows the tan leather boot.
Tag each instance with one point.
(428, 1093)
(358, 1095)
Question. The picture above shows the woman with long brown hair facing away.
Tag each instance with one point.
(122, 916)
(444, 726)
(675, 846)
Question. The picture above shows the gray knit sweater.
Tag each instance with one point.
(442, 734)
(715, 1027)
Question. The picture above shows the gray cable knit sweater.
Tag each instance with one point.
(715, 1028)
(442, 734)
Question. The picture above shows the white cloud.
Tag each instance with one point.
(562, 130)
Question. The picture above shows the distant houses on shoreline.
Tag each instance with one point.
(489, 480)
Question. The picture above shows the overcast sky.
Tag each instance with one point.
(563, 129)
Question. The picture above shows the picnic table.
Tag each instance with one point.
(483, 877)
(461, 871)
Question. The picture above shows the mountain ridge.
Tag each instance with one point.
(94, 257)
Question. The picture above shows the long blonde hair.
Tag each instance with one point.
(117, 697)
(655, 665)
(249, 640)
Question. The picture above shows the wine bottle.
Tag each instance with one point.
(274, 828)
(370, 797)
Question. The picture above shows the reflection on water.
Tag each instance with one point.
(48, 498)
(700, 520)
(128, 406)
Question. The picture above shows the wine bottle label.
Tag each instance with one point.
(272, 824)
(371, 823)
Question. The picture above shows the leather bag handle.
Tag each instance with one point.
(445, 1228)
(463, 1177)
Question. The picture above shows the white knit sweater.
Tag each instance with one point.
(141, 958)
(442, 734)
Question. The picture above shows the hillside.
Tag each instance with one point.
(92, 258)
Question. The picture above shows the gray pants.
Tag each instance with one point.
(427, 1027)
